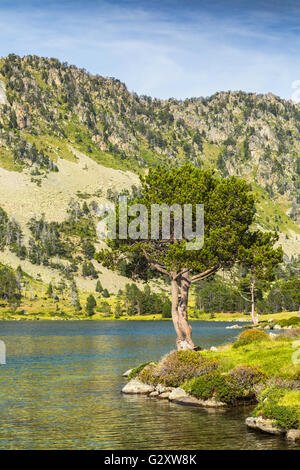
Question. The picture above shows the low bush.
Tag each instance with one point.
(272, 394)
(136, 370)
(293, 333)
(276, 404)
(247, 376)
(177, 367)
(285, 416)
(286, 383)
(292, 321)
(149, 375)
(220, 387)
(251, 336)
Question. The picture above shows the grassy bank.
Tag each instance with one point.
(254, 369)
(45, 308)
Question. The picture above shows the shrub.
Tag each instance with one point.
(286, 416)
(218, 386)
(294, 333)
(251, 336)
(148, 374)
(179, 366)
(272, 394)
(136, 370)
(292, 321)
(247, 376)
(286, 383)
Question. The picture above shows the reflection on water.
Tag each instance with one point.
(61, 389)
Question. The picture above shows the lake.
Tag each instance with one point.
(60, 389)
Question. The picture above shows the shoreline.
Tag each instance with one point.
(235, 374)
(243, 320)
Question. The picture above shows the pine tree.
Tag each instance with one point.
(74, 297)
(19, 274)
(105, 293)
(118, 309)
(90, 305)
(49, 290)
(99, 287)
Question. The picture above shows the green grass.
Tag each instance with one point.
(272, 213)
(7, 161)
(211, 154)
(281, 405)
(272, 357)
(52, 146)
(241, 375)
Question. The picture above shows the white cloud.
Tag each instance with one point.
(159, 55)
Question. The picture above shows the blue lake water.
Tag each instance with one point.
(60, 389)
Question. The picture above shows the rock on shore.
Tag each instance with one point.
(265, 425)
(127, 373)
(176, 395)
(293, 435)
(135, 386)
(269, 426)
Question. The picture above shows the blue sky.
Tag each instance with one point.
(165, 48)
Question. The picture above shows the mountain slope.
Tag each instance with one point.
(237, 132)
(65, 134)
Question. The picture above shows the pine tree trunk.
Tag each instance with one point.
(179, 314)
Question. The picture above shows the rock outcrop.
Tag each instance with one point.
(265, 425)
(3, 99)
(293, 435)
(176, 395)
(135, 386)
(126, 374)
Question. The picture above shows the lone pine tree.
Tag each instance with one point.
(228, 214)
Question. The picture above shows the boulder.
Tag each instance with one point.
(265, 425)
(293, 435)
(177, 393)
(234, 327)
(193, 401)
(153, 394)
(164, 395)
(127, 373)
(3, 99)
(213, 348)
(135, 386)
(162, 389)
(277, 327)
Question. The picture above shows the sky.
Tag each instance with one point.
(166, 48)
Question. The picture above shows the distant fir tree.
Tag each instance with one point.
(105, 293)
(49, 291)
(74, 297)
(99, 287)
(90, 305)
